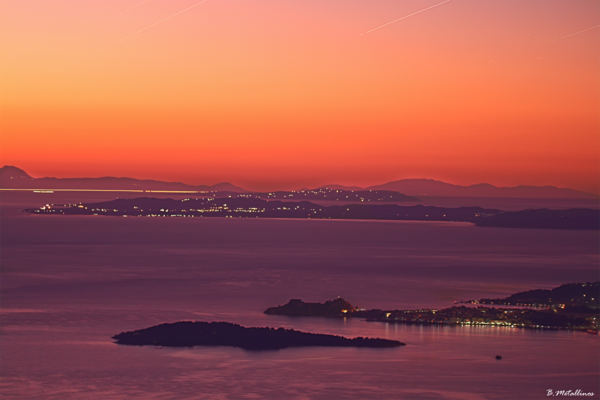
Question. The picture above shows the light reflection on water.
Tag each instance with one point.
(68, 285)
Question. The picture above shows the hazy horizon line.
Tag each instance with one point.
(318, 186)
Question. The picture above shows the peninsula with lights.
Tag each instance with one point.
(252, 207)
(575, 308)
(241, 207)
(189, 334)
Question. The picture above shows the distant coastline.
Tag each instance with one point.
(576, 307)
(241, 207)
(584, 297)
(251, 207)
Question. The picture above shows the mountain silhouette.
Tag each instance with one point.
(430, 187)
(15, 178)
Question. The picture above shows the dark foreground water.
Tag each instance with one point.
(69, 283)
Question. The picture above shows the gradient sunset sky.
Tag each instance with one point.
(283, 94)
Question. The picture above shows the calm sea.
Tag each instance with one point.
(69, 283)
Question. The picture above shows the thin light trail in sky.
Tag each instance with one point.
(137, 5)
(556, 40)
(152, 25)
(406, 16)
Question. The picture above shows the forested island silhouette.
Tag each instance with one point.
(189, 334)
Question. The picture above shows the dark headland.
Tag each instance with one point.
(331, 308)
(189, 334)
(572, 296)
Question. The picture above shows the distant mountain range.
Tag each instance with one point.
(15, 178)
(430, 187)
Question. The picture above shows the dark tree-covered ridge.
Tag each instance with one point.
(570, 294)
(188, 334)
(296, 307)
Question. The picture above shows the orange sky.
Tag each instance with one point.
(273, 94)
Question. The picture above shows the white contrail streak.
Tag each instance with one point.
(137, 5)
(150, 26)
(406, 16)
(560, 38)
(572, 34)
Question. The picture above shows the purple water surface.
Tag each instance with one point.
(69, 283)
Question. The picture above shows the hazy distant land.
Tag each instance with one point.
(226, 200)
(430, 187)
(15, 178)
